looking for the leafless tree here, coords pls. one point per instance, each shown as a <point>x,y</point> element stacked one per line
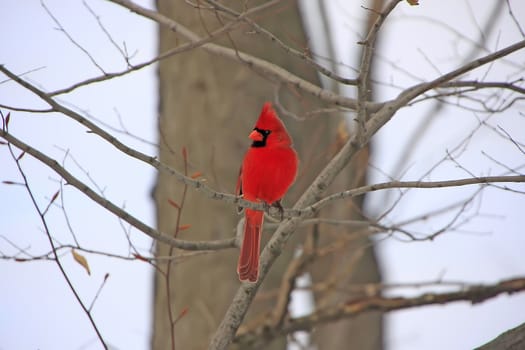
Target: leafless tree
<point>217,62</point>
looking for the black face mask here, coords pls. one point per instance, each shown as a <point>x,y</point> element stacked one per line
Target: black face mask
<point>264,134</point>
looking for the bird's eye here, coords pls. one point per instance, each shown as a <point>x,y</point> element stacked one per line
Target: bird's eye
<point>263,132</point>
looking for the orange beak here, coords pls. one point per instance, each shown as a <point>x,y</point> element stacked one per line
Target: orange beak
<point>255,136</point>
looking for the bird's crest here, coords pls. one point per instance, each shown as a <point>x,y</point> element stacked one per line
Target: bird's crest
<point>268,120</point>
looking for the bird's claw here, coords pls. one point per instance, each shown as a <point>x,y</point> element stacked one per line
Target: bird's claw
<point>277,204</point>
<point>266,207</point>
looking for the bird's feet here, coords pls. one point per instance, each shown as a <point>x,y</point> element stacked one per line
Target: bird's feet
<point>277,204</point>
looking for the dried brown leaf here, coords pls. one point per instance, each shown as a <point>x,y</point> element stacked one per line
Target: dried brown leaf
<point>81,260</point>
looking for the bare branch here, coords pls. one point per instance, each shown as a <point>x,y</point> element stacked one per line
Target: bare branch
<point>419,89</point>
<point>56,259</point>
<point>516,22</point>
<point>328,73</point>
<point>509,137</point>
<point>364,89</point>
<point>352,308</point>
<point>387,111</point>
<point>106,276</point>
<point>106,32</point>
<point>73,41</point>
<point>267,69</point>
<point>415,184</point>
<point>172,52</point>
<point>511,339</point>
<point>153,161</point>
<point>28,110</point>
<point>124,215</point>
<point>487,85</point>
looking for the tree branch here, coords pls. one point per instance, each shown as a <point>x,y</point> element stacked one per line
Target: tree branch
<point>124,215</point>
<point>55,257</point>
<point>364,89</point>
<point>352,308</point>
<point>419,89</point>
<point>197,184</point>
<point>326,72</point>
<point>172,52</point>
<point>412,184</point>
<point>381,117</point>
<point>513,339</point>
<point>486,85</point>
<point>267,69</point>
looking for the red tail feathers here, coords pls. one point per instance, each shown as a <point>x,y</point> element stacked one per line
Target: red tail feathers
<point>248,265</point>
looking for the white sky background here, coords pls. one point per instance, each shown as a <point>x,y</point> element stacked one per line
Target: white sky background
<point>37,310</point>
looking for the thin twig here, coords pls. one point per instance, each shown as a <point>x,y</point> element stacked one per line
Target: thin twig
<point>364,90</point>
<point>516,22</point>
<point>52,244</point>
<point>106,32</point>
<point>73,41</point>
<point>106,276</point>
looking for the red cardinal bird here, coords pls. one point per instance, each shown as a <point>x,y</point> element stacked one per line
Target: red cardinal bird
<point>268,170</point>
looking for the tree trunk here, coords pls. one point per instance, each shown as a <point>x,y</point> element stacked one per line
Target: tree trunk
<point>208,105</point>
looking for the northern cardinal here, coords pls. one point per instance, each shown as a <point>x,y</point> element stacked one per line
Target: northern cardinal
<point>268,170</point>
